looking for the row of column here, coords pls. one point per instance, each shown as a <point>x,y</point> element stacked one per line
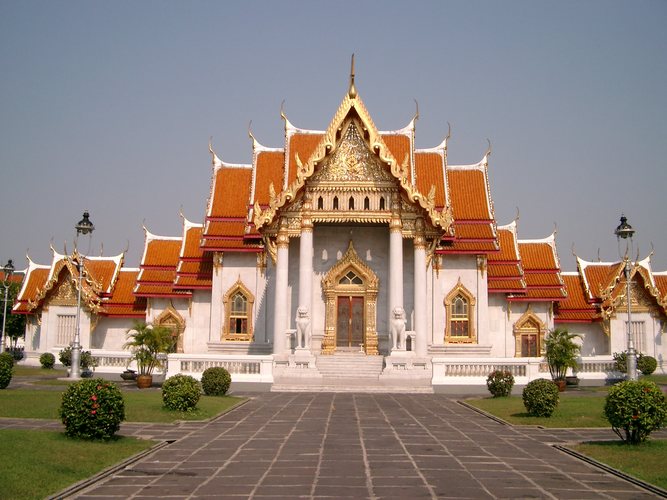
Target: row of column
<point>280,321</point>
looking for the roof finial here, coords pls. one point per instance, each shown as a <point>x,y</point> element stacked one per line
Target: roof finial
<point>352,91</point>
<point>416,111</point>
<point>516,218</point>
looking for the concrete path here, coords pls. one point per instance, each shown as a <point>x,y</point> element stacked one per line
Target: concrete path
<point>358,446</point>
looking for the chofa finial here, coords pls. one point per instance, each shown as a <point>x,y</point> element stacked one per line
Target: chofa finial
<point>352,91</point>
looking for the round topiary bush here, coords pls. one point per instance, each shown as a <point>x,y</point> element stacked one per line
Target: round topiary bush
<point>181,393</point>
<point>47,360</point>
<point>6,368</point>
<point>500,383</point>
<point>540,397</point>
<point>646,364</point>
<point>634,409</point>
<point>92,409</point>
<point>216,381</point>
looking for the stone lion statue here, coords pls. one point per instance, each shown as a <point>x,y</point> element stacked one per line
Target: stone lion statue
<point>302,327</point>
<point>398,328</point>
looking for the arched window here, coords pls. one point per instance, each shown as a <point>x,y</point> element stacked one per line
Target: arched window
<point>367,203</point>
<point>382,203</point>
<point>529,333</point>
<point>459,310</point>
<point>320,203</point>
<point>350,204</point>
<point>335,203</point>
<point>238,313</point>
<point>173,321</point>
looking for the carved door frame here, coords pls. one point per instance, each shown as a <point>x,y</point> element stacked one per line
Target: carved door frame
<point>368,289</point>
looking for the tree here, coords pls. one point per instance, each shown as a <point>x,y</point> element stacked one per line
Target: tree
<point>15,323</point>
<point>561,352</point>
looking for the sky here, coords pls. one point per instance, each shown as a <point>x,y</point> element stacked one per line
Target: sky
<point>109,107</point>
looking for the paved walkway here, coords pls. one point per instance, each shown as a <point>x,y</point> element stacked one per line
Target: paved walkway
<point>357,446</point>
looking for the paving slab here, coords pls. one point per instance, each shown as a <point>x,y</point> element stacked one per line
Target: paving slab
<point>346,445</point>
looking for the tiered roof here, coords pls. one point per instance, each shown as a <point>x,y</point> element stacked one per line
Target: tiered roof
<point>158,267</point>
<point>506,273</point>
<point>541,271</point>
<point>195,267</point>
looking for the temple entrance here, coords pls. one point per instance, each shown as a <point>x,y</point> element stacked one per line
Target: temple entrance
<point>350,322</point>
<point>350,290</point>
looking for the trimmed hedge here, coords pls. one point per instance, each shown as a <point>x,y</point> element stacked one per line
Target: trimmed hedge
<point>500,383</point>
<point>92,409</point>
<point>635,408</point>
<point>216,381</point>
<point>6,369</point>
<point>540,397</point>
<point>181,393</point>
<point>47,360</point>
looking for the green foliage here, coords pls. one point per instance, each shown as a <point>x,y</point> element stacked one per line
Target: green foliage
<point>621,361</point>
<point>561,352</point>
<point>540,397</point>
<point>47,360</point>
<point>635,409</point>
<point>149,345</point>
<point>15,323</point>
<point>216,381</point>
<point>500,383</point>
<point>16,352</point>
<point>85,361</point>
<point>646,364</point>
<point>6,369</point>
<point>92,409</point>
<point>181,393</point>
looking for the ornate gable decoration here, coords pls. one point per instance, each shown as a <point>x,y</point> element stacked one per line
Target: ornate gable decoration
<point>346,166</point>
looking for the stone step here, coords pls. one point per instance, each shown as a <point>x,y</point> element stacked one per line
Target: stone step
<point>350,365</point>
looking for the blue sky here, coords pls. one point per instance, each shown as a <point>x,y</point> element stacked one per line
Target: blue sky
<point>109,106</point>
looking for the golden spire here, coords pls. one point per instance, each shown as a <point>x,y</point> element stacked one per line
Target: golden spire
<point>352,91</point>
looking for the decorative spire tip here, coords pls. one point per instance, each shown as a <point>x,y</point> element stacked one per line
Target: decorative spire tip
<point>352,91</point>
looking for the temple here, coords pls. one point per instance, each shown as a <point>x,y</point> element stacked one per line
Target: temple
<point>347,258</point>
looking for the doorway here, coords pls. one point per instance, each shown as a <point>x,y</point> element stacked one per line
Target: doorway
<point>350,322</point>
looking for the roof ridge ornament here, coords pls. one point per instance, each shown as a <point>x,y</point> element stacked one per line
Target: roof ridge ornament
<point>352,91</point>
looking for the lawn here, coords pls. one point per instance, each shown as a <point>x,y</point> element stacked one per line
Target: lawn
<point>43,463</point>
<point>572,411</point>
<point>645,461</point>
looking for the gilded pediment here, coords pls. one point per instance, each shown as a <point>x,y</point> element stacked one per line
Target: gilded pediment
<point>352,161</point>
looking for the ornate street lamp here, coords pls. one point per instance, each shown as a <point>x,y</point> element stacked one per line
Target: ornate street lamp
<point>84,226</point>
<point>8,271</point>
<point>625,231</point>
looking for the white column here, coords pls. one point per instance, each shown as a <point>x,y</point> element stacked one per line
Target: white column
<point>306,258</point>
<point>280,302</point>
<point>395,257</point>
<point>420,290</point>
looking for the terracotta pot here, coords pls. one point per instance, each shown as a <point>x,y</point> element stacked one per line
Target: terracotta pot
<point>144,381</point>
<point>561,383</point>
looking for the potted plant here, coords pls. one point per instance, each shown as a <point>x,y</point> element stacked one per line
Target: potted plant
<point>561,352</point>
<point>149,345</point>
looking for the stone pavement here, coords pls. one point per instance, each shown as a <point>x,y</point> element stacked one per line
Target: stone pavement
<point>357,446</point>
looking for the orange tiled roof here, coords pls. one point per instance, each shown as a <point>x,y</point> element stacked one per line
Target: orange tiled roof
<point>269,170</point>
<point>430,167</point>
<point>103,270</point>
<point>34,280</point>
<point>661,283</point>
<point>195,267</point>
<point>158,267</point>
<point>599,277</point>
<point>400,146</point>
<point>505,268</point>
<point>230,193</point>
<point>541,271</point>
<point>469,194</point>
<point>304,145</point>
<point>575,308</point>
<point>123,303</point>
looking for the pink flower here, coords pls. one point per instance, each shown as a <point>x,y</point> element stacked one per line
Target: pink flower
<point>93,397</point>
<point>93,412</point>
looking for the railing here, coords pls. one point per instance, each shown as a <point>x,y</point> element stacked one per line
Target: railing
<point>250,368</point>
<point>474,371</point>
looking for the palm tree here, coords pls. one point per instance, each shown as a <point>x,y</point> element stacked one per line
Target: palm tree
<point>561,352</point>
<point>148,344</point>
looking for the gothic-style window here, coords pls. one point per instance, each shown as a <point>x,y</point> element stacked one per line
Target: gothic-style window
<point>459,311</point>
<point>367,203</point>
<point>351,279</point>
<point>320,203</point>
<point>350,204</point>
<point>335,203</point>
<point>238,316</point>
<point>238,313</point>
<point>382,203</point>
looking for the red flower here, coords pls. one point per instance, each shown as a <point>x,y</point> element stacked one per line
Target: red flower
<point>93,397</point>
<point>93,412</point>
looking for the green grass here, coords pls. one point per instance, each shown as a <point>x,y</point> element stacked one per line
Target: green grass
<point>572,411</point>
<point>658,379</point>
<point>140,406</point>
<point>37,372</point>
<point>37,464</point>
<point>645,461</point>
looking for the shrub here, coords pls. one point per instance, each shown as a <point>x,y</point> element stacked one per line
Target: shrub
<point>181,393</point>
<point>621,361</point>
<point>6,368</point>
<point>646,364</point>
<point>500,383</point>
<point>634,409</point>
<point>86,361</point>
<point>216,381</point>
<point>47,360</point>
<point>16,352</point>
<point>540,397</point>
<point>92,409</point>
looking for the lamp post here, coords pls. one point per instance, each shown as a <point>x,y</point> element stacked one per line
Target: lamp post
<point>8,271</point>
<point>84,226</point>
<point>625,231</point>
